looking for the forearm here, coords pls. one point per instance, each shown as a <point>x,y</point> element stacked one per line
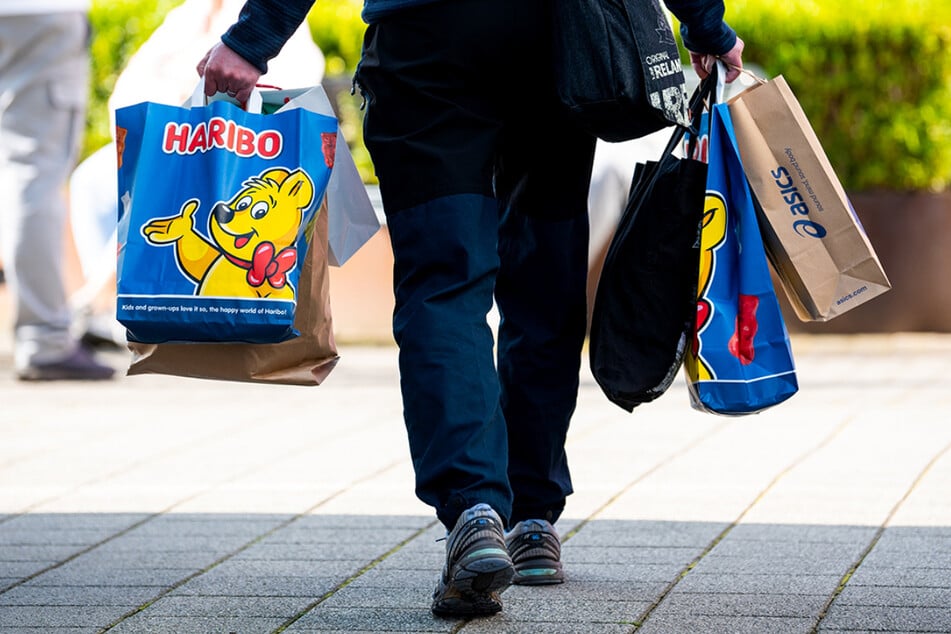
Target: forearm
<point>263,27</point>
<point>702,26</point>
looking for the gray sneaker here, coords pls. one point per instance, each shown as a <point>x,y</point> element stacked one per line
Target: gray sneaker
<point>536,552</point>
<point>477,567</point>
<point>81,365</point>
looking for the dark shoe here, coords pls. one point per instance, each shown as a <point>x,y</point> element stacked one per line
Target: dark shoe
<point>78,366</point>
<point>478,565</point>
<point>536,553</point>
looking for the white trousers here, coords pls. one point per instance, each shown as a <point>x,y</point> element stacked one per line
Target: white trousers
<point>44,68</point>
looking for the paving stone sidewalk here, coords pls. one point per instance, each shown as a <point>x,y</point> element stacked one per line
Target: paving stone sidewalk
<point>160,504</point>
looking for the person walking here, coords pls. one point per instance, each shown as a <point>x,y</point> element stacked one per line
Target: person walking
<point>44,67</point>
<point>484,180</point>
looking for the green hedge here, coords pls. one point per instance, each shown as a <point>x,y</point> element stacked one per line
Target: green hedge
<point>338,30</point>
<point>874,78</point>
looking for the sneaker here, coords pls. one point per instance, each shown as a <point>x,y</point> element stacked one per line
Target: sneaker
<point>81,365</point>
<point>477,567</point>
<point>536,553</point>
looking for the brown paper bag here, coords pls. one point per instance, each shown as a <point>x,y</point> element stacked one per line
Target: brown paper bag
<point>304,360</point>
<point>813,237</point>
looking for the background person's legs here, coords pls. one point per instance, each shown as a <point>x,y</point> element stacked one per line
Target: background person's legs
<point>43,71</point>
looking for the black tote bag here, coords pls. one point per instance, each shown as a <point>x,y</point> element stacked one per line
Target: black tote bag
<point>617,67</point>
<point>646,299</point>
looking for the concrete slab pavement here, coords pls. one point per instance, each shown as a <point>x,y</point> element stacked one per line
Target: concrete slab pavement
<point>160,504</point>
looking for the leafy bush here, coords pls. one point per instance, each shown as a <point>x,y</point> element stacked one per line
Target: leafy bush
<point>874,78</point>
<point>338,30</point>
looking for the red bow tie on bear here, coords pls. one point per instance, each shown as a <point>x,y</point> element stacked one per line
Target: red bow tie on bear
<point>265,265</point>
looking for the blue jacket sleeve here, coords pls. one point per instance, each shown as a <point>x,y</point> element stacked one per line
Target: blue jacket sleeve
<point>702,26</point>
<point>263,27</point>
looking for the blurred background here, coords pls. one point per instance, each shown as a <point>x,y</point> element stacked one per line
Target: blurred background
<point>874,78</point>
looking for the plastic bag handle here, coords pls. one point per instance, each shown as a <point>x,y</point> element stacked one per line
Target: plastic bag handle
<point>721,80</point>
<point>759,80</point>
<point>198,98</point>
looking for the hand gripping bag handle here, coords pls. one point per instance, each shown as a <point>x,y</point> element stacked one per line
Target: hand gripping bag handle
<point>198,99</point>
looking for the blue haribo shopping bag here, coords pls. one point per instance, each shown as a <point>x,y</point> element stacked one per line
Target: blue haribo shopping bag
<point>740,361</point>
<point>216,210</point>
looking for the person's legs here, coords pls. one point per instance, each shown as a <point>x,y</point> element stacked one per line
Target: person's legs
<point>543,179</point>
<point>43,70</point>
<point>542,303</point>
<point>436,80</point>
<point>447,129</point>
<point>542,182</point>
<point>445,265</point>
<point>432,127</point>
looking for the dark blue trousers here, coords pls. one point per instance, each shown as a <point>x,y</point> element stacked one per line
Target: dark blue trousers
<point>484,183</point>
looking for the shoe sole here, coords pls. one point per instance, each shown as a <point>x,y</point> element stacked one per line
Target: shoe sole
<point>57,375</point>
<point>484,575</point>
<point>474,587</point>
<point>478,605</point>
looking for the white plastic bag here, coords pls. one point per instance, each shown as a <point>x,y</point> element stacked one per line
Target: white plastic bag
<point>353,220</point>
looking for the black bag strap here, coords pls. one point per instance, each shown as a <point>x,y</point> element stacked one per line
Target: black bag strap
<point>702,100</point>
